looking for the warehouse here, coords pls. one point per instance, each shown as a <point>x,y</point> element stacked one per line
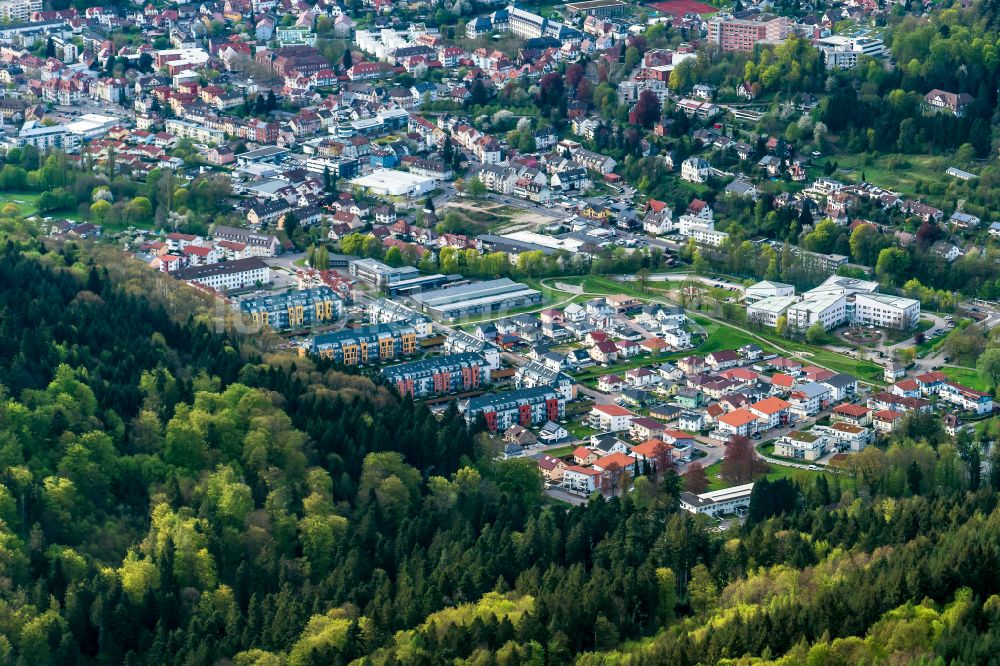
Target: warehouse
<point>387,182</point>
<point>477,298</point>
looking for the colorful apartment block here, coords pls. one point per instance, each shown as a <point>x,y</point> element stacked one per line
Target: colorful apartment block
<point>368,344</point>
<point>439,375</point>
<point>524,407</point>
<point>294,309</point>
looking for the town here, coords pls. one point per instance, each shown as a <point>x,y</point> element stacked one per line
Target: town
<point>612,257</point>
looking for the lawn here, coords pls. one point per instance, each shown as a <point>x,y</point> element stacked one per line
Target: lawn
<point>561,451</point>
<point>580,430</point>
<point>730,336</point>
<point>776,472</point>
<point>26,202</point>
<point>966,377</point>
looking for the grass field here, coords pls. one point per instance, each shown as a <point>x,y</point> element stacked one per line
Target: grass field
<point>730,336</point>
<point>966,377</point>
<point>26,202</point>
<point>561,451</point>
<point>776,472</point>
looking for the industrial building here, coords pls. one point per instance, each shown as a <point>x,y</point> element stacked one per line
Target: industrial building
<point>440,375</point>
<point>367,344</point>
<point>387,182</point>
<point>477,298</point>
<point>294,309</point>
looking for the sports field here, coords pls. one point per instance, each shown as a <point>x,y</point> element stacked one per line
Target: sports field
<point>682,7</point>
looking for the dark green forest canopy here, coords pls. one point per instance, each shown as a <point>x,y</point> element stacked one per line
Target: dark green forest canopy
<point>169,495</point>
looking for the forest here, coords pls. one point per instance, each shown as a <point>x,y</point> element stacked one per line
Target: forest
<point>170,493</point>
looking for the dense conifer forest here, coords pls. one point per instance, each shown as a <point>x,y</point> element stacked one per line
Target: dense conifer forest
<point>170,494</point>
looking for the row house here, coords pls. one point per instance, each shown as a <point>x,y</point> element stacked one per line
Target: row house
<point>966,398</point>
<point>450,373</point>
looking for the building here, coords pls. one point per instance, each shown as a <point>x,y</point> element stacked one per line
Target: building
<point>827,308</point>
<point>595,8</point>
<point>948,101</point>
<point>966,398</point>
<point>228,275</point>
<point>801,446</point>
<point>391,183</point>
<point>538,374</point>
<point>718,502</point>
<point>734,34</point>
<point>809,399</point>
<point>367,344</point>
<point>294,309</point>
<point>523,407</point>
<point>739,422</point>
<point>884,311</point>
<point>451,373</point>
<point>767,289</point>
<point>695,170</point>
<point>379,274</point>
<point>767,311</point>
<point>489,296</point>
<point>772,412</point>
<point>610,418</point>
<point>842,52</point>
<point>258,245</point>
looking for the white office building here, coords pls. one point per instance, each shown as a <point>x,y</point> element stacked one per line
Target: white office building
<point>886,311</point>
<point>767,289</point>
<point>228,275</point>
<point>767,310</point>
<point>842,52</point>
<point>718,502</point>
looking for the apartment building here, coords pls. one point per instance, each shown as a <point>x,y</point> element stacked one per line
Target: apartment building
<point>439,375</point>
<point>802,446</point>
<point>524,407</point>
<point>842,52</point>
<point>228,275</point>
<point>538,374</point>
<point>610,418</point>
<point>257,245</point>
<point>294,309</point>
<point>966,398</point>
<point>384,311</point>
<point>367,344</point>
<point>734,34</point>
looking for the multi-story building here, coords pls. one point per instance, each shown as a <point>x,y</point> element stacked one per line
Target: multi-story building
<point>257,245</point>
<point>460,341</point>
<point>802,446</point>
<point>884,311</point>
<point>450,373</point>
<point>367,344</point>
<point>809,399</point>
<point>966,398</point>
<point>610,418</point>
<point>522,407</point>
<point>733,34</point>
<point>18,11</point>
<point>842,52</point>
<point>538,374</point>
<point>384,311</point>
<point>294,309</point>
<point>228,275</point>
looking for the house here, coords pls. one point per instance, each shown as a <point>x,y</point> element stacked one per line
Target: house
<point>808,399</point>
<point>551,433</point>
<point>741,422</point>
<point>584,456</point>
<point>966,398</point>
<point>610,418</point>
<point>643,428</point>
<point>640,377</point>
<point>604,352</point>
<point>948,101</point>
<point>695,170</point>
<point>772,412</point>
<point>853,414</point>
<point>801,446</point>
<point>846,436</point>
<point>720,360</point>
<point>886,420</point>
<point>931,382</point>
<point>907,388</point>
<point>610,383</point>
<point>517,434</point>
<point>582,479</point>
<point>654,451</point>
<point>842,386</point>
<point>551,468</point>
<point>693,421</point>
<point>691,365</point>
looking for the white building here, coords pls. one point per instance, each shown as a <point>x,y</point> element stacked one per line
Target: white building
<point>767,311</point>
<point>767,289</point>
<point>802,446</point>
<point>388,182</point>
<point>610,418</point>
<point>718,502</point>
<point>228,275</point>
<point>829,309</point>
<point>842,52</point>
<point>886,311</point>
<point>694,170</point>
